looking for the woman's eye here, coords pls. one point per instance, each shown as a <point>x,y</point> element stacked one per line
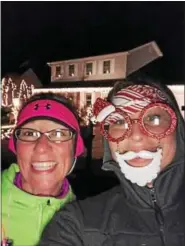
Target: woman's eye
<point>59,134</point>
<point>155,119</point>
<point>56,133</point>
<point>119,122</point>
<point>28,133</point>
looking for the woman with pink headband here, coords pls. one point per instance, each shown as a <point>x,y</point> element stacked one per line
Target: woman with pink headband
<point>47,142</point>
<point>143,132</point>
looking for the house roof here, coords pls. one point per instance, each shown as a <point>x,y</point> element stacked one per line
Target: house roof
<point>29,76</point>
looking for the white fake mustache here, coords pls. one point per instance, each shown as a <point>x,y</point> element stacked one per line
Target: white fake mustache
<point>144,154</point>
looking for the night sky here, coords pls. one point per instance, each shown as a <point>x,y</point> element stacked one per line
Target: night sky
<point>49,31</point>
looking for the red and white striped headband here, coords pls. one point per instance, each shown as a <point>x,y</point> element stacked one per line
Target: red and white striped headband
<point>135,97</point>
<point>131,100</point>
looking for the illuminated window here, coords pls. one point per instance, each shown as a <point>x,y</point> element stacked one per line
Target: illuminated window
<point>88,99</point>
<point>106,66</point>
<point>89,68</point>
<point>72,70</point>
<point>58,71</point>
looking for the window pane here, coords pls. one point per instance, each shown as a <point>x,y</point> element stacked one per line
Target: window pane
<point>71,70</point>
<point>89,68</point>
<point>58,71</point>
<point>106,67</point>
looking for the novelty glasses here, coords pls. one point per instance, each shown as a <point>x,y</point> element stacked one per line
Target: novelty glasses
<point>157,120</point>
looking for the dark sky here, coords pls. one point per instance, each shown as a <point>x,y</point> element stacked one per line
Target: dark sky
<point>48,31</point>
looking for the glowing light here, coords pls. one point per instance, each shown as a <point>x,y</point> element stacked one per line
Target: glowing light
<point>76,89</point>
<point>16,102</point>
<point>174,88</point>
<point>7,126</point>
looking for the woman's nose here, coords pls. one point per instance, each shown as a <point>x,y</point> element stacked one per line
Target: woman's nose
<point>136,132</point>
<point>42,144</point>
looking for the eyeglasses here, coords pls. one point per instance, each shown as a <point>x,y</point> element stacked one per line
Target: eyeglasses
<point>156,120</point>
<point>32,135</point>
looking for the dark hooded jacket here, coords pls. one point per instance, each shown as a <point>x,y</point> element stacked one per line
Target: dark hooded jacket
<point>128,215</point>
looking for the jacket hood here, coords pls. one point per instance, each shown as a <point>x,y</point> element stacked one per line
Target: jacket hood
<point>169,181</point>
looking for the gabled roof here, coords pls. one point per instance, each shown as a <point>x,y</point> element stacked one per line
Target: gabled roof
<point>29,76</point>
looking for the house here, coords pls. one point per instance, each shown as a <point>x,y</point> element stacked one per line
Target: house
<point>84,79</point>
<point>104,67</point>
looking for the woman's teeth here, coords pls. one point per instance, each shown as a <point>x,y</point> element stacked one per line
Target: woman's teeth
<point>43,166</point>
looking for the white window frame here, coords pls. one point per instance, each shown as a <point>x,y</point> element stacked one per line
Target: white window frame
<point>56,70</point>
<point>107,60</point>
<point>89,62</point>
<point>74,74</point>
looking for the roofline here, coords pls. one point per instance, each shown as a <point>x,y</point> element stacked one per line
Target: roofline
<point>153,43</point>
<point>87,58</point>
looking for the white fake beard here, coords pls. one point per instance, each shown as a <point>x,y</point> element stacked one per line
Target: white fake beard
<point>140,175</point>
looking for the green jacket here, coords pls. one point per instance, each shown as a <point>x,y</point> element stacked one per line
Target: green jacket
<point>24,216</point>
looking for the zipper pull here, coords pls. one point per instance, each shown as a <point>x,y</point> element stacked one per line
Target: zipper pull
<point>152,192</point>
<point>158,212</point>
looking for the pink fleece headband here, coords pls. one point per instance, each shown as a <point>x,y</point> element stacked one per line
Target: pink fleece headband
<point>49,109</point>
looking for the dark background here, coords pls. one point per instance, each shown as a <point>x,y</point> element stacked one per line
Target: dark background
<point>47,31</point>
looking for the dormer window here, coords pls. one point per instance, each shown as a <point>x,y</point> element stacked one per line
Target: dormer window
<point>58,71</point>
<point>106,67</point>
<point>89,68</point>
<point>71,70</point>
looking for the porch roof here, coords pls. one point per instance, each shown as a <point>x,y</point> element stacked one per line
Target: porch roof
<point>96,83</point>
<point>82,84</point>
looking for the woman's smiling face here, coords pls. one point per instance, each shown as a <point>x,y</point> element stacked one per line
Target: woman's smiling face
<point>44,164</point>
<point>138,141</point>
